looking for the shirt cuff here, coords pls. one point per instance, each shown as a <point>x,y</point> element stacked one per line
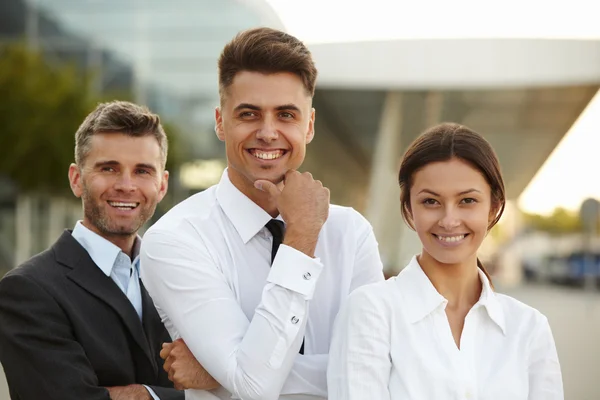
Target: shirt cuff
<point>295,271</point>
<point>154,396</point>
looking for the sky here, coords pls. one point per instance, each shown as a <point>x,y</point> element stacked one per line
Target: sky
<point>572,172</point>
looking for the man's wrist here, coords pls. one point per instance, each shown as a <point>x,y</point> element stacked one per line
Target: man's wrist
<point>151,394</point>
<point>303,241</point>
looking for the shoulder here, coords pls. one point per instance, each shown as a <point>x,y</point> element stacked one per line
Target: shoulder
<point>39,267</point>
<point>32,279</point>
<point>342,214</point>
<point>189,215</point>
<point>347,220</point>
<point>520,315</point>
<point>379,294</point>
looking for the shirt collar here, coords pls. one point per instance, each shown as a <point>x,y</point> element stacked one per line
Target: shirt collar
<point>102,252</point>
<point>489,300</point>
<point>245,215</point>
<point>414,284</point>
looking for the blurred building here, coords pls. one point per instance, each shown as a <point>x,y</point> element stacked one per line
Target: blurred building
<point>162,54</point>
<point>373,98</point>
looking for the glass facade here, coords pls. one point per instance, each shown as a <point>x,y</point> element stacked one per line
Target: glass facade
<point>162,54</point>
<point>154,52</point>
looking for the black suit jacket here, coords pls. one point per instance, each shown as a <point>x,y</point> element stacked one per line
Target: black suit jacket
<point>67,330</point>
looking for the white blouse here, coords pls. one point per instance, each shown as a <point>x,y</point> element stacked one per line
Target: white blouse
<point>392,340</point>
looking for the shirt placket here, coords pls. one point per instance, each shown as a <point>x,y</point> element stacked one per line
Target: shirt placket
<point>462,368</point>
<point>467,357</point>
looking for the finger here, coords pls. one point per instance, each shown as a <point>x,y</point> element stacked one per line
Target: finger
<point>166,350</point>
<point>268,187</point>
<point>168,363</point>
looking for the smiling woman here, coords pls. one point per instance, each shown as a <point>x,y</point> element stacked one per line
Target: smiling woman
<point>438,330</point>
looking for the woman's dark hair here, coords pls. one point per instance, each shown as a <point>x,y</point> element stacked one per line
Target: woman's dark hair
<point>442,143</point>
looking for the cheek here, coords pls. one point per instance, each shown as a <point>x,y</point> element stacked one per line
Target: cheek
<point>477,221</point>
<point>96,186</point>
<point>422,219</point>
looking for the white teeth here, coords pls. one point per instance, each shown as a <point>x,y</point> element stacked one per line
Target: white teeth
<point>122,206</point>
<point>451,238</point>
<point>264,155</point>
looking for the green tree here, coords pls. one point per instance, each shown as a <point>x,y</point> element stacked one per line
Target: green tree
<point>40,109</point>
<point>561,221</point>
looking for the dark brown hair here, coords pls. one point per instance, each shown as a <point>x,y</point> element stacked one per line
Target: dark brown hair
<point>267,51</point>
<point>442,143</point>
<point>119,117</point>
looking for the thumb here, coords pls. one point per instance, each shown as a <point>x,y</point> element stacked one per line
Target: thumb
<point>267,186</point>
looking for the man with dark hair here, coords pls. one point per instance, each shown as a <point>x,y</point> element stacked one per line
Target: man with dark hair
<point>75,321</point>
<point>234,270</point>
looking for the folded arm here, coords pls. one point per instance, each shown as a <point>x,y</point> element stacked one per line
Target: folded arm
<point>251,359</point>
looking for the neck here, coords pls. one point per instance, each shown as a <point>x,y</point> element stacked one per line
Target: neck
<point>263,199</point>
<point>124,242</point>
<point>458,283</point>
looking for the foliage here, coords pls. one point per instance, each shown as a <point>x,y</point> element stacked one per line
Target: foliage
<point>41,107</point>
<point>40,110</point>
<point>561,221</point>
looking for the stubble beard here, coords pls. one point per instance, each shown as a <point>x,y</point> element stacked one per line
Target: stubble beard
<point>98,217</point>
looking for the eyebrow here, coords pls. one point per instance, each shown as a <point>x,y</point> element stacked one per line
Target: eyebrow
<point>106,163</point>
<point>248,106</point>
<point>460,194</point>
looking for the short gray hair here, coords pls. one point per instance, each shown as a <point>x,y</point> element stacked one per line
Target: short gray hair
<point>119,117</point>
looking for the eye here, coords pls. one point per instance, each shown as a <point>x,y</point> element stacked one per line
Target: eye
<point>429,202</point>
<point>247,114</point>
<point>142,171</point>
<point>469,200</point>
<point>107,169</point>
<point>286,115</point>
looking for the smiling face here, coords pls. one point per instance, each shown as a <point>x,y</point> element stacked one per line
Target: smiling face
<point>265,120</point>
<point>120,183</point>
<point>450,209</point>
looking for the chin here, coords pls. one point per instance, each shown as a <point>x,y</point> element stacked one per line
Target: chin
<point>449,257</point>
<point>273,177</point>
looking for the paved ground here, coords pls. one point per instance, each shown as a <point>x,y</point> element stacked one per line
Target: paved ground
<point>575,319</point>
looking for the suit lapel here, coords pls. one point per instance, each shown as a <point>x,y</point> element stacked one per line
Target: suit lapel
<point>88,276</point>
<point>153,326</point>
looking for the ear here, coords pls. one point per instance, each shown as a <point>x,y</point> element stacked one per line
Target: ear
<point>219,124</point>
<point>164,186</point>
<point>494,209</point>
<point>311,126</point>
<point>75,180</point>
<point>408,216</point>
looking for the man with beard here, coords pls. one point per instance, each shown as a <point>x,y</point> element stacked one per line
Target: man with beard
<point>75,320</point>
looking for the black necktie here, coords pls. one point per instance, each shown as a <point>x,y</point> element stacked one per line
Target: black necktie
<point>277,229</point>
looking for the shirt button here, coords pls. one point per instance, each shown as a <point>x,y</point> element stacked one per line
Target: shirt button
<point>307,276</point>
<point>294,320</point>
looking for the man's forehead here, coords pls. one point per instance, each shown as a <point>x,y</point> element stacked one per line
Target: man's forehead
<point>118,146</point>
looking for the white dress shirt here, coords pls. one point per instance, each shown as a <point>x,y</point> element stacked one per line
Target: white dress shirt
<point>105,255</point>
<point>206,264</point>
<point>392,341</point>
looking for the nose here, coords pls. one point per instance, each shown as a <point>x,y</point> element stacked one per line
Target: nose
<point>450,219</point>
<point>125,182</point>
<point>267,131</point>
